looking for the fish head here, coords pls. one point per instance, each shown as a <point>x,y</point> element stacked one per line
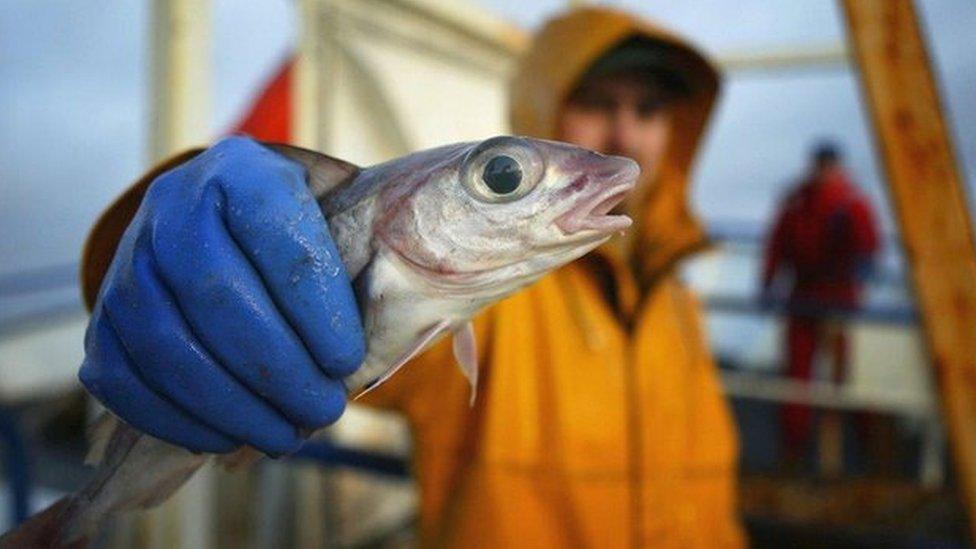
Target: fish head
<point>495,215</point>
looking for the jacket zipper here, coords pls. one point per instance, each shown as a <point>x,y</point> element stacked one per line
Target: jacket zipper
<point>635,449</point>
<point>631,397</point>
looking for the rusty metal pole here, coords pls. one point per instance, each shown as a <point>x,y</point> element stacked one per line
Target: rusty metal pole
<point>926,189</point>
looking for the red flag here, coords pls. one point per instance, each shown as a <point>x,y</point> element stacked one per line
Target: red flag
<point>269,118</point>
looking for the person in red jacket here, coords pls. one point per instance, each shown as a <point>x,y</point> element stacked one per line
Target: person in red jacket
<point>818,255</point>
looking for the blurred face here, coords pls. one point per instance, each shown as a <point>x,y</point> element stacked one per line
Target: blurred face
<point>824,169</point>
<point>623,114</point>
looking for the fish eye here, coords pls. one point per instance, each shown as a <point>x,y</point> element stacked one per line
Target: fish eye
<point>502,169</point>
<point>502,174</point>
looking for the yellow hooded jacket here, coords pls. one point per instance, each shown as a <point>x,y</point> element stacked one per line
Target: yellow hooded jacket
<point>599,421</point>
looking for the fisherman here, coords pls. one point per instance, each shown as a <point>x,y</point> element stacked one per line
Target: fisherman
<point>599,419</point>
<point>818,255</point>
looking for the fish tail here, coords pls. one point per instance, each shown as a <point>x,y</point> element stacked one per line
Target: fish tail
<point>135,471</point>
<point>47,529</point>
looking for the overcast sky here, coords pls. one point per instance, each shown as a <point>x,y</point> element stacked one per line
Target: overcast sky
<point>74,85</point>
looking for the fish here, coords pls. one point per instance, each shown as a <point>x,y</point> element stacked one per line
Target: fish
<point>429,240</point>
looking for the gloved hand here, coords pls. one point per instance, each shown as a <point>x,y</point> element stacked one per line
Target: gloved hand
<point>226,317</point>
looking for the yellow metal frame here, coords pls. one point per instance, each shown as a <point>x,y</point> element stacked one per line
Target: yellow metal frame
<point>927,193</point>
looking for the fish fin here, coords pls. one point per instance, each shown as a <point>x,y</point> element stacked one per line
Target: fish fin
<point>324,172</point>
<point>466,354</point>
<point>422,341</point>
<point>137,472</point>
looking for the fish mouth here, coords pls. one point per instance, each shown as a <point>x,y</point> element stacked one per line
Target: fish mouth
<point>593,213</point>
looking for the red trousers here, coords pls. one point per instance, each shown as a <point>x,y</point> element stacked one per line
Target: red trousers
<point>805,336</point>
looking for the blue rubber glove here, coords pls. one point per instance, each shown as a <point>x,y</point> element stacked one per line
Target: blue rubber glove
<point>226,317</point>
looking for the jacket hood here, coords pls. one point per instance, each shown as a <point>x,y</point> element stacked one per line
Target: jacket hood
<point>560,55</point>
